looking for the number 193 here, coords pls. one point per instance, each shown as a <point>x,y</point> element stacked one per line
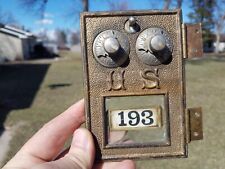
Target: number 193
<point>134,118</point>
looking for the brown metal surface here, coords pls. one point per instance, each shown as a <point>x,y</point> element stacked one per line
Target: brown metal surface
<point>195,124</point>
<point>194,45</point>
<point>134,78</point>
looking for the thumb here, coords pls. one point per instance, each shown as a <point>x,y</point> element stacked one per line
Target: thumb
<point>80,156</point>
<point>82,151</point>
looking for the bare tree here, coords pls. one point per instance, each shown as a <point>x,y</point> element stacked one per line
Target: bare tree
<point>7,18</point>
<point>166,4</point>
<point>172,3</point>
<point>179,3</point>
<point>75,38</point>
<point>203,12</point>
<point>118,5</point>
<point>61,37</point>
<point>37,6</point>
<point>85,5</point>
<point>219,21</point>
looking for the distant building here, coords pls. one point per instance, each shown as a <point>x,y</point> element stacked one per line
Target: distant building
<point>211,45</point>
<point>15,44</point>
<point>221,46</point>
<point>51,47</point>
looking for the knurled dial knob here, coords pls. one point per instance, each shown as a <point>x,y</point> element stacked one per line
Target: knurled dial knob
<point>111,48</point>
<point>157,43</point>
<point>154,46</point>
<point>111,45</point>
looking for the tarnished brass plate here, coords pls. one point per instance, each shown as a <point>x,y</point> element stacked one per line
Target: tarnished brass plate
<point>135,78</point>
<point>135,119</point>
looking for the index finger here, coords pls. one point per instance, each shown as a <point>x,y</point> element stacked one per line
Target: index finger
<point>50,139</point>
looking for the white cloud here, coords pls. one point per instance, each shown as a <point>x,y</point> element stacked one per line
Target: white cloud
<point>48,15</point>
<point>45,21</point>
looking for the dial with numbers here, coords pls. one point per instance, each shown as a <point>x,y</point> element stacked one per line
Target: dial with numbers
<point>133,119</point>
<point>154,46</point>
<point>111,48</point>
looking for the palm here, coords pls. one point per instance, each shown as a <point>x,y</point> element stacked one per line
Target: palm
<point>42,151</point>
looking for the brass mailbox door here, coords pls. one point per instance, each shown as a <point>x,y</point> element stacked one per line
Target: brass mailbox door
<point>134,86</point>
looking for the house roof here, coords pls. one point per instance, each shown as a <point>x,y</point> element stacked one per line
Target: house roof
<point>18,33</point>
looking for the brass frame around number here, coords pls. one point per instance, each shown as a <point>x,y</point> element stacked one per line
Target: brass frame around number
<point>156,110</point>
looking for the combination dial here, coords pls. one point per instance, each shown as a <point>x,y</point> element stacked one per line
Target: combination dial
<point>111,48</point>
<point>154,46</point>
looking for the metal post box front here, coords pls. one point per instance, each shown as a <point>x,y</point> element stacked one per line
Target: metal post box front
<point>134,80</point>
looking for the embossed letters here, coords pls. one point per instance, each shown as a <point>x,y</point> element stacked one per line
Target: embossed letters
<point>151,78</point>
<point>116,84</point>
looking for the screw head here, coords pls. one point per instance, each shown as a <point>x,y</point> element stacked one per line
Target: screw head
<point>196,134</point>
<point>111,45</point>
<point>158,43</point>
<point>197,114</point>
<point>132,21</point>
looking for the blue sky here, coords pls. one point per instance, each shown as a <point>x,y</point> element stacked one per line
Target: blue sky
<point>60,13</point>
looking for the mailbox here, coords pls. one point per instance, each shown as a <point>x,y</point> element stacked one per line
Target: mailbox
<point>134,81</point>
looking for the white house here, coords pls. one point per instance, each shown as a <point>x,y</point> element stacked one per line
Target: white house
<point>15,44</point>
<point>221,46</point>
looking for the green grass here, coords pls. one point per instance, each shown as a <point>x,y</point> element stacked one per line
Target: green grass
<point>62,86</point>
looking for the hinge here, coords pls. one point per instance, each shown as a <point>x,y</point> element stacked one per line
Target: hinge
<point>194,124</point>
<point>192,40</point>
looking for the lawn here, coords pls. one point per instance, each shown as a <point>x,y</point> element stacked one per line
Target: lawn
<point>32,94</point>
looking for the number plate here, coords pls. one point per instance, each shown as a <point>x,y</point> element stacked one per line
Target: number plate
<point>135,119</point>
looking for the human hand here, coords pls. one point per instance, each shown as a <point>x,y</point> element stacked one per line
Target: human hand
<point>42,151</point>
